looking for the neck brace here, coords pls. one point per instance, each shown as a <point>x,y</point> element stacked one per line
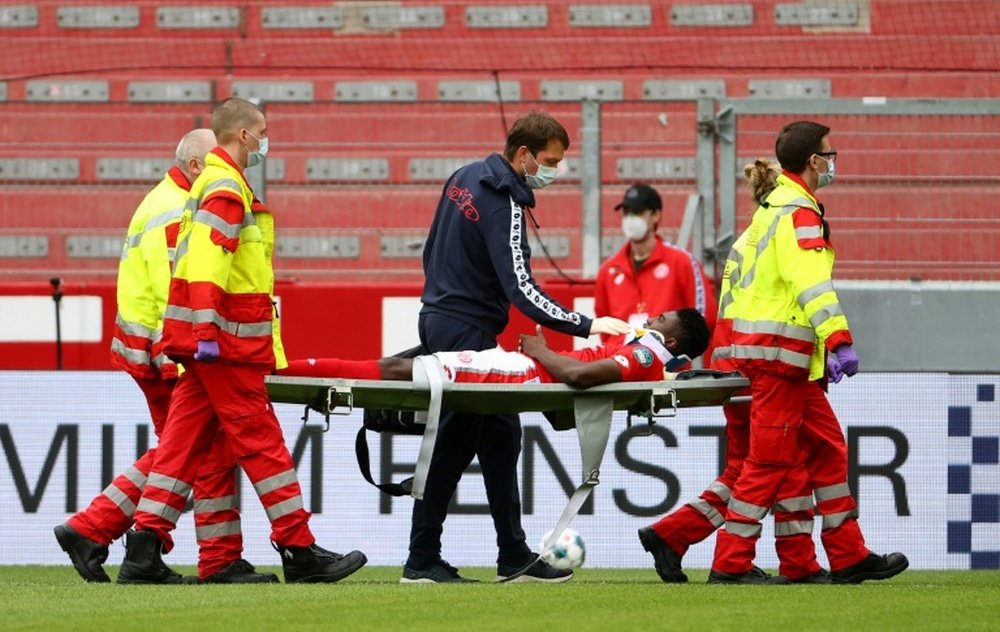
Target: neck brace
<point>653,340</point>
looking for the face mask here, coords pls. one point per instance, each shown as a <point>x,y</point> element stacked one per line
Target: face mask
<point>826,178</point>
<point>254,157</point>
<point>634,227</point>
<point>541,178</point>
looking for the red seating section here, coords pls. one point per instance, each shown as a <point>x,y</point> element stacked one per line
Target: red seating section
<point>915,196</point>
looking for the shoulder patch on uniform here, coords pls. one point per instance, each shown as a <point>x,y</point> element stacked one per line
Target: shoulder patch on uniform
<point>643,356</point>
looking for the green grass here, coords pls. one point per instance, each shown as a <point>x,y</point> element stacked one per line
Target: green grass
<point>54,598</point>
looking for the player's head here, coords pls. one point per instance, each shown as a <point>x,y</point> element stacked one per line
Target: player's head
<point>803,148</point>
<point>685,331</point>
<point>241,129</point>
<point>535,146</point>
<point>191,151</point>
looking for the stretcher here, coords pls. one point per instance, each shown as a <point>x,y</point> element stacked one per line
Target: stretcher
<point>588,410</point>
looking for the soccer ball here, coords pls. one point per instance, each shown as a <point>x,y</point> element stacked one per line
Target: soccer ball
<point>567,552</point>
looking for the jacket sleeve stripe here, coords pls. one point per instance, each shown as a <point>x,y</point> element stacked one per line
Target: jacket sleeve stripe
<point>824,314</point>
<point>217,224</point>
<point>806,296</point>
<point>526,284</point>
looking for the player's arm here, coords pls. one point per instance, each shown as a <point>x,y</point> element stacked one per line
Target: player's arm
<point>568,370</point>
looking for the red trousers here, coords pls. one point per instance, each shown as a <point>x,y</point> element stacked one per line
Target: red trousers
<point>789,417</point>
<point>229,398</point>
<point>793,515</point>
<point>110,513</point>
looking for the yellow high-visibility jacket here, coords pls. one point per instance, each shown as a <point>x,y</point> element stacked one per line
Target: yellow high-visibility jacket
<point>785,312</point>
<point>144,279</point>
<point>223,281</point>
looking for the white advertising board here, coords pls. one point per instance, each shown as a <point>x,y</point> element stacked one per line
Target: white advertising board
<point>926,480</point>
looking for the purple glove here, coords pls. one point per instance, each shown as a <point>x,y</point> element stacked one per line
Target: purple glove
<point>833,370</point>
<point>843,361</point>
<point>849,362</point>
<point>208,351</point>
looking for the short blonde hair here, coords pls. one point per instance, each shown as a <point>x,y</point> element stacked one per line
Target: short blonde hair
<point>232,115</point>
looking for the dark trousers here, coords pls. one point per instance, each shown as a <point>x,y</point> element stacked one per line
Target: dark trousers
<point>495,439</point>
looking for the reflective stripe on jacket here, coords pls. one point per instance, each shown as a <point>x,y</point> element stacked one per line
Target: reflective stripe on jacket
<point>729,286</point>
<point>786,311</point>
<point>144,278</point>
<point>223,281</point>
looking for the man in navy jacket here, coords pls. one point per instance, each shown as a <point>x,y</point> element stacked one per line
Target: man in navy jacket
<point>476,263</point>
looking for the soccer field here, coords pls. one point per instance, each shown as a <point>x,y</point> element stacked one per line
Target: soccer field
<point>48,597</point>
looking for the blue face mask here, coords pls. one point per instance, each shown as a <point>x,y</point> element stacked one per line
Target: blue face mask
<point>542,178</point>
<point>255,157</point>
<point>826,178</point>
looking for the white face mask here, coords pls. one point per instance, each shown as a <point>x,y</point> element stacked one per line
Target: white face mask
<point>542,178</point>
<point>254,157</point>
<point>826,178</point>
<point>634,227</point>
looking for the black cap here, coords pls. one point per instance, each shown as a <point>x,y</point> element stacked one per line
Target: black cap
<point>640,197</point>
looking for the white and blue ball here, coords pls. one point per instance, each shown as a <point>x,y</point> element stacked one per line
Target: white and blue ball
<point>567,552</point>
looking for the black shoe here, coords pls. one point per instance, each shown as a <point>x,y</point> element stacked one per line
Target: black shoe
<point>668,561</point>
<point>822,576</point>
<point>872,567</point>
<point>755,575</point>
<point>86,555</point>
<point>240,572</point>
<point>313,564</point>
<point>539,572</point>
<point>143,563</point>
<point>440,572</point>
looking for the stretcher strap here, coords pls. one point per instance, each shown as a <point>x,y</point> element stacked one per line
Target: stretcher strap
<point>593,427</point>
<point>431,370</point>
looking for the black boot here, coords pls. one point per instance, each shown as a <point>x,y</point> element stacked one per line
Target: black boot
<point>314,564</point>
<point>755,575</point>
<point>667,561</point>
<point>822,576</point>
<point>86,555</point>
<point>143,564</point>
<point>240,572</point>
<point>872,567</point>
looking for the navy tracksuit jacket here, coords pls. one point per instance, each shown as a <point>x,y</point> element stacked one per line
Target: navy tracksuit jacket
<point>476,263</point>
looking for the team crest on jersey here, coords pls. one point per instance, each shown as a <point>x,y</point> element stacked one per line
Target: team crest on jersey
<point>643,356</point>
<point>465,357</point>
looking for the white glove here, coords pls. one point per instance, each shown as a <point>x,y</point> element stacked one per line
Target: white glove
<point>608,325</point>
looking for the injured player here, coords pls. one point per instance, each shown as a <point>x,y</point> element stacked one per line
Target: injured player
<point>642,355</point>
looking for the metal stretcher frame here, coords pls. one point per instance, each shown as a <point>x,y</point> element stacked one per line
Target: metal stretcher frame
<point>330,395</point>
<point>589,410</point>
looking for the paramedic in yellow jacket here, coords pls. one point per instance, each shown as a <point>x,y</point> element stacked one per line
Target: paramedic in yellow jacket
<point>143,280</point>
<point>789,333</point>
<point>221,324</point>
